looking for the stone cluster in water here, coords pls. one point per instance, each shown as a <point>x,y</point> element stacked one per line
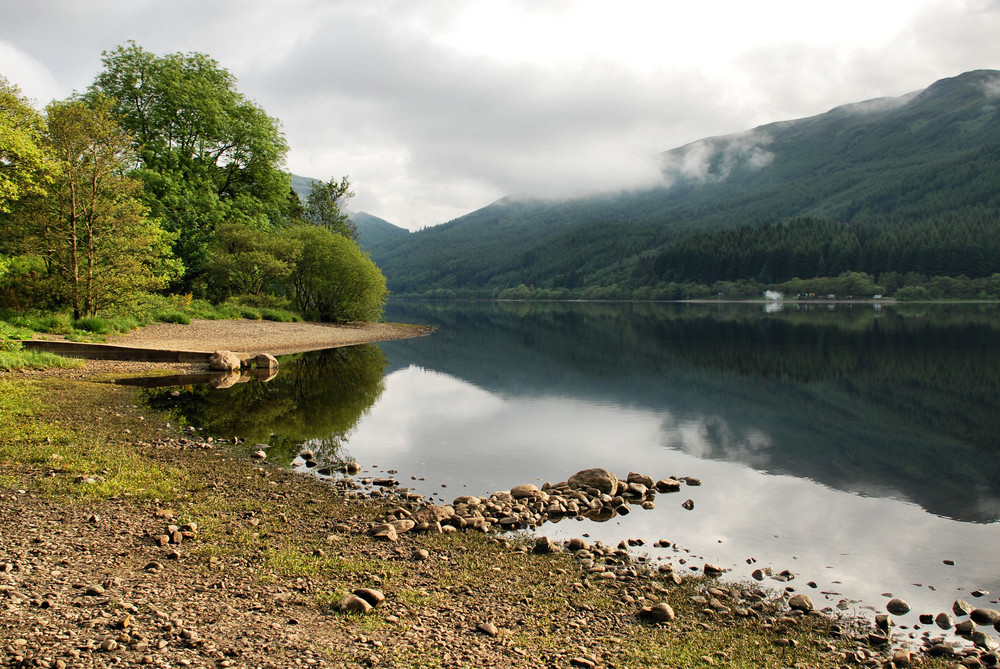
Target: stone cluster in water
<point>596,494</point>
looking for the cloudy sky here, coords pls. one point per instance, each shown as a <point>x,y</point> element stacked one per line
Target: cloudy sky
<point>436,108</point>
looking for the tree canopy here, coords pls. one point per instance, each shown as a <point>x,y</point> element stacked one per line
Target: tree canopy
<point>24,166</point>
<point>90,227</point>
<point>207,155</point>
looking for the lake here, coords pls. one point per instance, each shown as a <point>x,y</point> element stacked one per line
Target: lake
<point>857,446</point>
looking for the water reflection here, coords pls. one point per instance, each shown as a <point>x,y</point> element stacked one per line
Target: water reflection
<point>859,447</point>
<point>316,400</point>
<point>903,403</point>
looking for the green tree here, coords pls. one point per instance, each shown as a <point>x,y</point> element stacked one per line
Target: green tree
<point>333,278</point>
<point>245,260</point>
<point>325,206</point>
<point>25,169</point>
<point>207,155</point>
<point>91,227</point>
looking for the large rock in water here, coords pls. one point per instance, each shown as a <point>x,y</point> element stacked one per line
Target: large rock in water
<point>600,479</point>
<point>225,361</point>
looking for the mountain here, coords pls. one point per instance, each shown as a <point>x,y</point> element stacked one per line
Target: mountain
<point>374,231</point>
<point>889,171</point>
<point>302,185</point>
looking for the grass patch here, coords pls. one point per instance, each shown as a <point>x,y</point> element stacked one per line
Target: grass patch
<point>21,359</point>
<point>88,462</point>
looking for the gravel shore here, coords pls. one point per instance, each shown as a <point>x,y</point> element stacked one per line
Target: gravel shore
<point>246,336</point>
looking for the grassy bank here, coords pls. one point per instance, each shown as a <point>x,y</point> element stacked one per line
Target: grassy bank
<point>90,480</point>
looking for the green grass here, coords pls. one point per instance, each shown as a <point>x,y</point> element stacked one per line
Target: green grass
<point>89,464</point>
<point>10,360</point>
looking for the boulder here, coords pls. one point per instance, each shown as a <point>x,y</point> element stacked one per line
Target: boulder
<point>668,485</point>
<point>642,479</point>
<point>662,612</point>
<point>897,607</point>
<point>225,361</point>
<point>353,604</point>
<point>544,545</point>
<point>432,513</point>
<point>600,479</point>
<point>373,597</point>
<point>525,490</point>
<point>800,602</point>
<point>266,361</point>
<point>983,616</point>
<point>944,621</point>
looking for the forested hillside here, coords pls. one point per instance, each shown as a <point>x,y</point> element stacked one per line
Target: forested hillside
<point>898,189</point>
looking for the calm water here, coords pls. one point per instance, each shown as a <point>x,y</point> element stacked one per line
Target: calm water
<point>858,447</point>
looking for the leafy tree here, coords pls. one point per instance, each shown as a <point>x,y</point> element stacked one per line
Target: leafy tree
<point>91,227</point>
<point>324,206</point>
<point>333,278</point>
<point>24,167</point>
<point>207,155</point>
<point>246,260</point>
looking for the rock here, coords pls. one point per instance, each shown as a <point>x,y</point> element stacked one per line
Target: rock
<point>641,479</point>
<point>662,612</point>
<point>944,621</point>
<point>984,641</point>
<point>582,662</point>
<point>941,650</point>
<point>961,607</point>
<point>902,658</point>
<point>266,361</point>
<point>525,490</point>
<point>713,570</point>
<point>544,545</point>
<point>384,532</point>
<point>487,628</point>
<point>668,485</point>
<point>259,455</point>
<point>403,525</point>
<point>800,602</point>
<point>965,627</point>
<point>883,621</point>
<point>897,607</point>
<point>353,604</point>
<point>692,481</point>
<point>94,591</point>
<point>225,361</point>
<point>420,555</point>
<point>985,616</point>
<point>352,468</point>
<point>688,504</point>
<point>597,478</point>
<point>432,513</point>
<point>577,544</point>
<point>373,597</point>
<point>638,490</point>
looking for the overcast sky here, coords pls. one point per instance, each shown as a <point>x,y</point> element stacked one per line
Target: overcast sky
<point>436,108</point>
